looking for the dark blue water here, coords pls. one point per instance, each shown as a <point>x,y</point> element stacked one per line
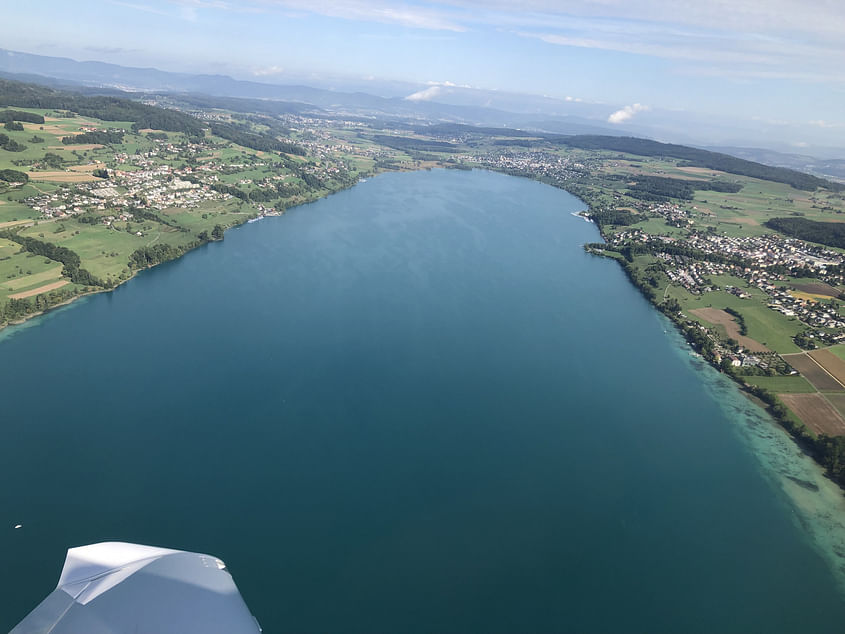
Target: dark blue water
<point>416,405</point>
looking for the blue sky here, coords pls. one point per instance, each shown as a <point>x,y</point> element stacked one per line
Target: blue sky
<point>777,63</point>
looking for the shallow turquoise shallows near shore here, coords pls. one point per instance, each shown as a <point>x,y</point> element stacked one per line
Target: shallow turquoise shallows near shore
<point>414,406</point>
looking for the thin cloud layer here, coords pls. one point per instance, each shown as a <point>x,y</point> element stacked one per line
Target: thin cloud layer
<point>743,38</point>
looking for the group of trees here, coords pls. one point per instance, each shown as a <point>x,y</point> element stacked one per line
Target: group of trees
<point>661,189</point>
<point>617,217</point>
<point>51,159</point>
<point>15,309</point>
<point>148,214</point>
<point>13,176</point>
<point>408,143</point>
<point>19,115</point>
<point>740,320</point>
<point>101,137</point>
<point>830,233</point>
<point>152,255</point>
<point>242,135</point>
<point>10,145</point>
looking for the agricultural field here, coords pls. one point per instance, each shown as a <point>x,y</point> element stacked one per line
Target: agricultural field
<point>832,364</point>
<point>816,412</point>
<point>22,273</point>
<point>810,369</point>
<point>105,251</point>
<point>838,401</point>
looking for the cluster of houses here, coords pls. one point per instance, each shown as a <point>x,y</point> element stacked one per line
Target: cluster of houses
<point>759,256</point>
<point>814,314</point>
<point>555,167</point>
<point>673,214</point>
<point>768,250</point>
<point>693,275</point>
<point>159,187</point>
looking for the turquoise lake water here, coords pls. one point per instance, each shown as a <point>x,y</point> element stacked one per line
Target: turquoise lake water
<point>416,405</point>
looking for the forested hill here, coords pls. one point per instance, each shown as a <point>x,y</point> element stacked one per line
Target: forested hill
<point>701,158</point>
<point>21,95</point>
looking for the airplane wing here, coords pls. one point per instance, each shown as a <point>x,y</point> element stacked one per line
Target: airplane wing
<point>116,587</point>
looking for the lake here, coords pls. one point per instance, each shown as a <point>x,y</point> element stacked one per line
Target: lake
<point>416,405</point>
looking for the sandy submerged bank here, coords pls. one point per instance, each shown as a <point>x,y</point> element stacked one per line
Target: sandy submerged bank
<point>817,504</point>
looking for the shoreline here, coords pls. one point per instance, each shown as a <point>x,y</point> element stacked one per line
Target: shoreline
<point>760,397</point>
<point>816,501</point>
<point>247,220</point>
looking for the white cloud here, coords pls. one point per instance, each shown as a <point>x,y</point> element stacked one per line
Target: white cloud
<point>427,94</point>
<point>624,114</point>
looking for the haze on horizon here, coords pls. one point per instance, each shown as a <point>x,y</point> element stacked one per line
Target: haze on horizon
<point>771,70</point>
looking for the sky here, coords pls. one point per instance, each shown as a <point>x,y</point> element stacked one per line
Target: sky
<point>779,64</point>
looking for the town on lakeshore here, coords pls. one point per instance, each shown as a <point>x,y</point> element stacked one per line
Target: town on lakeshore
<point>745,259</point>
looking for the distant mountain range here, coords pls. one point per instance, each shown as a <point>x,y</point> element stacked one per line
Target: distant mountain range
<point>437,103</point>
<point>34,68</point>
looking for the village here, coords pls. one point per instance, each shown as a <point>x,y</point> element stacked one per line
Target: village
<point>556,168</point>
<point>185,175</point>
<point>766,263</point>
<point>159,187</point>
